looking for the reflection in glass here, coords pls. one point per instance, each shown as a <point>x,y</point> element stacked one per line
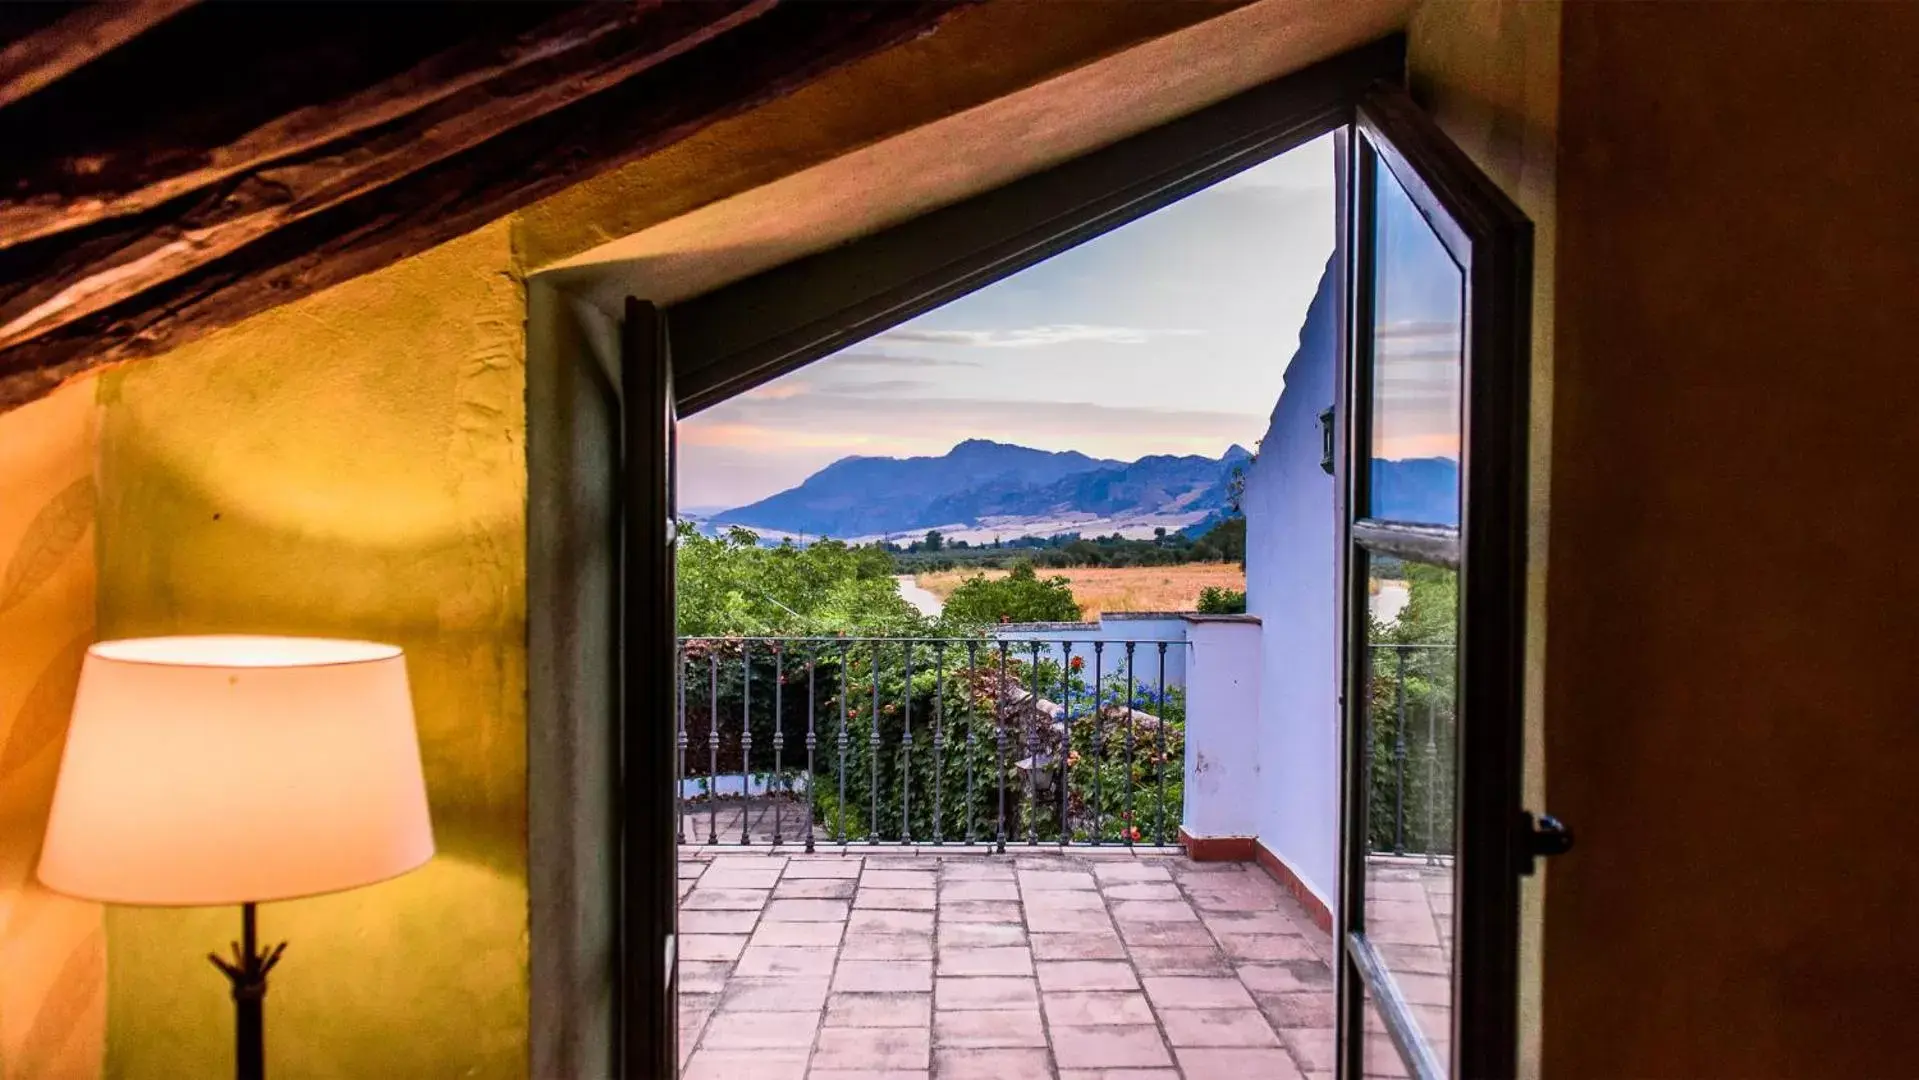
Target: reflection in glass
<point>1411,797</point>
<point>1418,344</point>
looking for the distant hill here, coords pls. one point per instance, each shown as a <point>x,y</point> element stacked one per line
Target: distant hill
<point>1423,490</point>
<point>983,488</point>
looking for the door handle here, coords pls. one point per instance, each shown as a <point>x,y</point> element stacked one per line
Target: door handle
<point>1541,839</point>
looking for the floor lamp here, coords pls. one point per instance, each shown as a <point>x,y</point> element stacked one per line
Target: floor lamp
<point>237,770</point>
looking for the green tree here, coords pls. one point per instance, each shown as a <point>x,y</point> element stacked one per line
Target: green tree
<point>1021,596</point>
<point>732,585</point>
<point>934,541</point>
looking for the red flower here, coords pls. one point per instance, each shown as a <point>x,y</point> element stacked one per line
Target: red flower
<point>1078,662</point>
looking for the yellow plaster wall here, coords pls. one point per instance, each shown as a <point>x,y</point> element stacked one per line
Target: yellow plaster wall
<point>1489,72</point>
<point>353,465</point>
<point>53,990</point>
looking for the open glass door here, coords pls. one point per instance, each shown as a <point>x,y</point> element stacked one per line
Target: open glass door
<point>1435,401</point>
<point>648,902</point>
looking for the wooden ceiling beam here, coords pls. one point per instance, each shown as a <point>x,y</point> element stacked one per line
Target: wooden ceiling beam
<point>375,144</point>
<point>45,56</point>
<point>364,221</point>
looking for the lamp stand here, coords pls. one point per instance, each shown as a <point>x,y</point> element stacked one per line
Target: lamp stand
<point>247,971</point>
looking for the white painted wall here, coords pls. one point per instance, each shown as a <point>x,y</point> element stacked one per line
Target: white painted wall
<point>1223,781</point>
<point>1146,629</point>
<point>1291,551</point>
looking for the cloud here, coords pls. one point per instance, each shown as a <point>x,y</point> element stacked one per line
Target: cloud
<point>1026,337</point>
<point>876,359</point>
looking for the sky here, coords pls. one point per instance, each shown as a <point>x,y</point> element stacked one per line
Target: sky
<point>1169,335</point>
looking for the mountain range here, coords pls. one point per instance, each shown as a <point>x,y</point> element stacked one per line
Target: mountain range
<point>981,489</point>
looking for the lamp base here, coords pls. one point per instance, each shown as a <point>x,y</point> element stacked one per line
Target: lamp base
<point>247,971</point>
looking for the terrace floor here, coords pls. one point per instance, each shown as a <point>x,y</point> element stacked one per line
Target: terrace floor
<point>898,963</point>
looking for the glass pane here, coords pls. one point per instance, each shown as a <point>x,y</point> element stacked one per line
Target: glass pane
<point>1419,299</point>
<point>1378,1056</point>
<point>1411,739</point>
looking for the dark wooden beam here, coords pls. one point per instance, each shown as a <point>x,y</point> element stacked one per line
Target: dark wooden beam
<point>737,337</point>
<point>310,161</point>
<point>349,222</point>
<point>40,58</point>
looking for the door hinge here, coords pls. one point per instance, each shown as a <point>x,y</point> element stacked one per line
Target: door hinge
<point>1541,839</point>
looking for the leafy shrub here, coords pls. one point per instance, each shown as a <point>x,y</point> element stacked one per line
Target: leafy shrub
<point>1021,596</point>
<point>1413,728</point>
<point>1215,600</point>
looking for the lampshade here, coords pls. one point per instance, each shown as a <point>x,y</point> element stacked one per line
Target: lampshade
<point>227,770</point>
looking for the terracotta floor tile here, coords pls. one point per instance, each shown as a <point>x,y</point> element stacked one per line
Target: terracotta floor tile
<point>1216,1027</point>
<point>751,1030</point>
<point>1089,975</point>
<point>992,911</point>
<point>887,947</point>
<point>806,993</point>
<point>1315,1048</point>
<point>815,889</point>
<point>899,879</point>
<point>1132,871</point>
<point>883,976</point>
<point>1142,890</point>
<point>956,1063</point>
<point>1265,948</point>
<point>1298,975</point>
<point>1055,921</point>
<point>1055,879</point>
<point>890,922</point>
<point>1095,946</point>
<point>756,877</point>
<point>965,889</point>
<point>988,1027</point>
<point>1123,1074</point>
<point>761,1064</point>
<point>702,899</point>
<point>1109,1047</point>
<point>1154,911</point>
<point>880,1010</point>
<point>1165,933</point>
<point>1088,1008</point>
<point>1301,1009</point>
<point>872,1048</point>
<point>1250,922</point>
<point>805,910</point>
<point>1232,1063</point>
<point>765,960</point>
<point>1196,992</point>
<point>712,946</point>
<point>1179,960</point>
<point>894,899</point>
<point>799,933</point>
<point>985,993</point>
<point>989,960</point>
<point>981,935</point>
<point>718,922</point>
<point>822,866</point>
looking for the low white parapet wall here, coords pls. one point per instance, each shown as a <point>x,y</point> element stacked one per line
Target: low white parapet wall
<point>1222,726</point>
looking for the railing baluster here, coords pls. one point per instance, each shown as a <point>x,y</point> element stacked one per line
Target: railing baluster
<point>746,739</point>
<point>873,758</point>
<point>939,722</point>
<point>680,749</point>
<point>839,810</point>
<point>1432,758</point>
<point>779,737</point>
<point>1399,754</point>
<point>812,661</point>
<point>1126,823</point>
<point>1159,818</point>
<point>1065,736</point>
<point>906,746</point>
<point>1099,740</point>
<point>713,748</point>
<point>971,685</point>
<point>1032,757</point>
<point>999,752</point>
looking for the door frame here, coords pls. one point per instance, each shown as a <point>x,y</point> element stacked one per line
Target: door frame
<point>737,337</point>
<point>1491,240</point>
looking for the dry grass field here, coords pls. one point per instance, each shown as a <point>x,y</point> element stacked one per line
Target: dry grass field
<point>1117,588</point>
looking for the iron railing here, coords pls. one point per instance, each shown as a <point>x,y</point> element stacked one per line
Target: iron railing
<point>1410,767</point>
<point>965,741</point>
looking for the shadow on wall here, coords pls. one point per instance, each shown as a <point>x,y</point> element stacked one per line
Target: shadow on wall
<point>53,990</point>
